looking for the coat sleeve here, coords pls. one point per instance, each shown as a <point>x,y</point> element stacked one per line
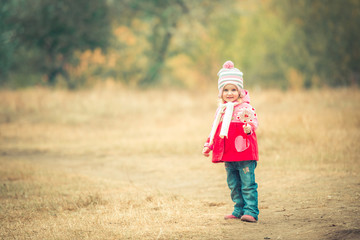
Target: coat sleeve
<point>207,143</point>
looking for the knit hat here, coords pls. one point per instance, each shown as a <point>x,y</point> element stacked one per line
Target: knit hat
<point>229,75</point>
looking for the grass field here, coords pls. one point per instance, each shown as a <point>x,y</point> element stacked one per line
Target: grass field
<point>112,163</point>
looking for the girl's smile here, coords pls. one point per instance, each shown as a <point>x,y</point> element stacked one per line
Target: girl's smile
<point>230,93</point>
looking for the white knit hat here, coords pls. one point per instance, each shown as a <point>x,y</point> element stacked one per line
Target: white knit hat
<point>229,75</point>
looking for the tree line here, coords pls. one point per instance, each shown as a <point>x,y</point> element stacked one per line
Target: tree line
<point>283,43</point>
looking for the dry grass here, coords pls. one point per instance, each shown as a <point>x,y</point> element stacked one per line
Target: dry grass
<point>113,163</point>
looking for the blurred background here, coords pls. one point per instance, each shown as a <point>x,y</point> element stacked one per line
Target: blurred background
<point>179,43</point>
<point>105,106</point>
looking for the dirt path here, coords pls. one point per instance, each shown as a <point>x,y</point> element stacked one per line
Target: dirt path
<point>294,204</point>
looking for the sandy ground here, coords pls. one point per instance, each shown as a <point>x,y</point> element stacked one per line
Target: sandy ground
<point>294,204</point>
<point>309,184</point>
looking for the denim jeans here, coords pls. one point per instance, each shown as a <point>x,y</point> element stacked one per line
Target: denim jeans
<point>241,181</point>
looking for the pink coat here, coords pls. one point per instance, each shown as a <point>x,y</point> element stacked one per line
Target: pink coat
<point>238,146</point>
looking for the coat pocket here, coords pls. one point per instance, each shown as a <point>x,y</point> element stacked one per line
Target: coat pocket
<point>241,143</point>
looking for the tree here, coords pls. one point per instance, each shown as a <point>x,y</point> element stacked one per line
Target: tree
<point>326,43</point>
<point>163,18</point>
<point>7,47</point>
<point>57,29</point>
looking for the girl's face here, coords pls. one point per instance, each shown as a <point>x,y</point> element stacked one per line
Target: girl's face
<point>230,93</point>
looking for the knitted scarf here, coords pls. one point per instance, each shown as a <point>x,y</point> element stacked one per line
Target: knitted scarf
<point>229,109</point>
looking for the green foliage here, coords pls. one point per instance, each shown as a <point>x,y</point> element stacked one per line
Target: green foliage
<point>285,44</point>
<point>255,40</point>
<point>164,22</point>
<point>162,17</point>
<point>6,45</point>
<point>57,29</point>
<point>293,44</point>
<point>326,42</point>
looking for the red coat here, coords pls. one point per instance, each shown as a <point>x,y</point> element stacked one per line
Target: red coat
<point>238,146</point>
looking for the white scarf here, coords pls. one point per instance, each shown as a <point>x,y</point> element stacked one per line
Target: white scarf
<point>226,121</point>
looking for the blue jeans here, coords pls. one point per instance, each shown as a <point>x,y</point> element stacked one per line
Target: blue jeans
<point>241,181</point>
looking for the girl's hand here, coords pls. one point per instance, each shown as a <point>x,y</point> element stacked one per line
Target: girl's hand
<point>247,128</point>
<point>206,151</point>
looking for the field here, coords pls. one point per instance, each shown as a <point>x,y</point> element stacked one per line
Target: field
<point>114,163</point>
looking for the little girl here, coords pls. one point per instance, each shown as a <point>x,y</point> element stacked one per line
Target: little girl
<point>233,141</point>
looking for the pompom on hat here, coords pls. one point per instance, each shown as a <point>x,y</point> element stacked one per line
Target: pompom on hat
<point>229,75</point>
